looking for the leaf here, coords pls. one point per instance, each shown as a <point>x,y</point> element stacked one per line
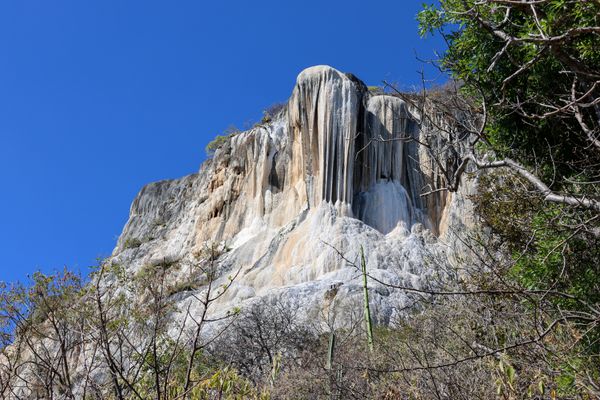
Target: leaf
<point>510,373</point>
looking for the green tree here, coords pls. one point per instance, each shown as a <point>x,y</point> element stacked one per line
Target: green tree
<point>529,73</point>
<point>533,68</point>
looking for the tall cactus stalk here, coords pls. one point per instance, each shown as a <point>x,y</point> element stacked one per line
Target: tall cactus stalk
<point>368,320</point>
<point>330,350</point>
<point>334,381</point>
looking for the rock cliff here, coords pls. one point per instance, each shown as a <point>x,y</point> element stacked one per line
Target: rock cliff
<point>294,200</point>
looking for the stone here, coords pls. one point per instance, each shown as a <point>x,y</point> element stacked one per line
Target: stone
<point>296,198</point>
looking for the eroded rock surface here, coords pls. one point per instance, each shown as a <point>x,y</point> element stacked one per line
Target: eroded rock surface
<point>295,200</point>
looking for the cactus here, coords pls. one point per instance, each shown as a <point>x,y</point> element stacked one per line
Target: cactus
<point>336,380</point>
<point>368,320</point>
<point>330,350</point>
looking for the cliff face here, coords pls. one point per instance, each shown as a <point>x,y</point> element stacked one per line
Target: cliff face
<point>338,169</point>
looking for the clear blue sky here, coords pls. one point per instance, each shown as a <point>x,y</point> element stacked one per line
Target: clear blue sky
<point>98,98</point>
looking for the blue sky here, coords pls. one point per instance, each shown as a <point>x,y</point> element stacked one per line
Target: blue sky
<point>98,98</point>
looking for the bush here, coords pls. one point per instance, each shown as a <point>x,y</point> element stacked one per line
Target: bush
<point>220,140</point>
<point>180,287</point>
<point>271,112</point>
<point>274,109</point>
<point>132,243</point>
<point>263,336</point>
<point>375,90</point>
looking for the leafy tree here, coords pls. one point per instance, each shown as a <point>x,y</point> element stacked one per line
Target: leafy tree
<point>528,74</point>
<point>533,69</point>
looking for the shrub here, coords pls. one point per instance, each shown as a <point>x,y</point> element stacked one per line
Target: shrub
<point>274,109</point>
<point>375,90</point>
<point>132,243</point>
<point>271,112</point>
<point>220,140</point>
<point>185,286</point>
<point>262,336</point>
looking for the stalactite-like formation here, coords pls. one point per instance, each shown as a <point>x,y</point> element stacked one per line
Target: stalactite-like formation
<point>382,154</point>
<point>356,150</point>
<point>323,116</point>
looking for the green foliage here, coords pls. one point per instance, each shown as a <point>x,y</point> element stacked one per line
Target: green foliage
<point>527,84</point>
<point>547,251</point>
<point>375,90</point>
<point>548,254</point>
<point>477,57</point>
<point>220,140</point>
<point>270,113</point>
<point>22,307</point>
<point>132,243</point>
<point>214,144</point>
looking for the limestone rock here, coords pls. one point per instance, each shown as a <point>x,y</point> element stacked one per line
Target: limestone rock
<point>339,169</point>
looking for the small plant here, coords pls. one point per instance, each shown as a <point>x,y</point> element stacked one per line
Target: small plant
<point>220,140</point>
<point>375,89</point>
<point>212,250</point>
<point>271,112</point>
<point>181,287</point>
<point>274,109</point>
<point>132,243</point>
<point>266,118</point>
<point>330,350</point>
<point>159,222</point>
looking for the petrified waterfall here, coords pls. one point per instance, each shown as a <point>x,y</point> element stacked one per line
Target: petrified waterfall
<point>339,168</point>
<point>324,116</point>
<point>355,151</point>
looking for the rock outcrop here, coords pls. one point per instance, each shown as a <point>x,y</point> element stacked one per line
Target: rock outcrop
<point>295,199</point>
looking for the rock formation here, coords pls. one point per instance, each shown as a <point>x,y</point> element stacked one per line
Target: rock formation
<point>338,169</point>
